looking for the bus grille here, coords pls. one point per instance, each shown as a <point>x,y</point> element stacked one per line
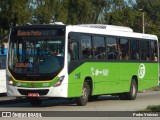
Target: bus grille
<point>25,92</point>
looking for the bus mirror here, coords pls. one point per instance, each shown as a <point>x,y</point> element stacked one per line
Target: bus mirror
<point>2,49</point>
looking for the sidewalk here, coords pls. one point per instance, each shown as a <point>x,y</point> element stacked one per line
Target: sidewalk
<point>151,89</point>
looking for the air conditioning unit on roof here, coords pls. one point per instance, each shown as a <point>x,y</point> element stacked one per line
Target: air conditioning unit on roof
<point>108,27</point>
<point>56,23</point>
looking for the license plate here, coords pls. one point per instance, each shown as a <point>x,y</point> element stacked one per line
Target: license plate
<point>33,94</point>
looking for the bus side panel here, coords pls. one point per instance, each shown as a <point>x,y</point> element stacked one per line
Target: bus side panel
<point>147,75</point>
<point>111,77</point>
<point>150,78</point>
<point>105,78</point>
<point>126,72</point>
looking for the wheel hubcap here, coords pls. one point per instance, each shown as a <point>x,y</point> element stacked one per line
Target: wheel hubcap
<point>84,94</point>
<point>133,90</point>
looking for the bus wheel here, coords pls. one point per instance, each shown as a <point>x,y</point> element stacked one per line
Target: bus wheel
<point>35,102</point>
<point>82,101</point>
<point>132,94</point>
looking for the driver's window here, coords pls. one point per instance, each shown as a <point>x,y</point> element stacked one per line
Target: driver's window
<point>2,49</point>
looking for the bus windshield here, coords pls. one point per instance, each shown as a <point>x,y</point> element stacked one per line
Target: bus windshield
<point>36,58</point>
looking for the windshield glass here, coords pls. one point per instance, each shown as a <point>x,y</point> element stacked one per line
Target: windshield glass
<point>36,58</point>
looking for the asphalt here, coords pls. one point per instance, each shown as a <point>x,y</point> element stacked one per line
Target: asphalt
<point>4,99</point>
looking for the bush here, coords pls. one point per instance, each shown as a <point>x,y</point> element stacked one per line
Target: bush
<point>153,108</point>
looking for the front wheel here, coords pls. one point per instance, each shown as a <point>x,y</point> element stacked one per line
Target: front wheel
<point>82,101</point>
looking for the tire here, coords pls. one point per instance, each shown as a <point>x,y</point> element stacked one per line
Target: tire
<point>35,102</point>
<point>132,94</point>
<point>82,101</point>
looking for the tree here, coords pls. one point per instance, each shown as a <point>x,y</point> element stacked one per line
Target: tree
<point>78,11</point>
<point>152,15</point>
<point>127,13</point>
<point>46,10</point>
<point>4,21</point>
<point>120,14</point>
<point>151,7</point>
<point>18,12</point>
<point>82,11</point>
<point>13,12</point>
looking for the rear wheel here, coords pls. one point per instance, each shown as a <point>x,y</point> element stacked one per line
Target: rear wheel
<point>132,94</point>
<point>82,101</point>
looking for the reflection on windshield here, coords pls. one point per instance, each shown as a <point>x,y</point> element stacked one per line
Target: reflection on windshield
<point>36,56</point>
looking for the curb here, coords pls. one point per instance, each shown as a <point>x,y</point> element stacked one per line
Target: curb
<point>150,90</point>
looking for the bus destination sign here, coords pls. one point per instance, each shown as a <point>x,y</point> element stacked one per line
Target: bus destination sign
<point>39,32</point>
<point>29,33</point>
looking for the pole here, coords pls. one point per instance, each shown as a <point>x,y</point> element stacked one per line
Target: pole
<point>143,23</point>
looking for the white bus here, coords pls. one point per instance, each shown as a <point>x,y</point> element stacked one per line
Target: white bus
<point>3,53</point>
<point>80,61</point>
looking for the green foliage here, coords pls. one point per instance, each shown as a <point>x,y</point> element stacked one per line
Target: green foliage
<point>151,9</point>
<point>82,11</point>
<point>45,10</point>
<point>13,12</point>
<point>115,12</point>
<point>129,14</point>
<point>122,14</point>
<point>153,108</point>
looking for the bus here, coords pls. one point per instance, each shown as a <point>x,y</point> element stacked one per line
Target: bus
<point>3,53</point>
<point>80,62</point>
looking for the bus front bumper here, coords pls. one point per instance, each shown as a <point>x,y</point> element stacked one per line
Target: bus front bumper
<point>60,91</point>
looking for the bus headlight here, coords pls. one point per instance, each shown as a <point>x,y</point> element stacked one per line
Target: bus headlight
<point>59,81</point>
<point>9,80</point>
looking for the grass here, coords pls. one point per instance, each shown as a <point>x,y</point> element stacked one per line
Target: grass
<point>152,108</point>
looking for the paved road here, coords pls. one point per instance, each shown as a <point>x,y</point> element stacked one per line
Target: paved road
<point>104,103</point>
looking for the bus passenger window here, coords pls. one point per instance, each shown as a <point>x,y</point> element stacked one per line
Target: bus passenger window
<point>153,50</point>
<point>145,50</point>
<point>112,48</point>
<point>86,47</point>
<point>124,48</point>
<point>99,48</point>
<point>134,44</point>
